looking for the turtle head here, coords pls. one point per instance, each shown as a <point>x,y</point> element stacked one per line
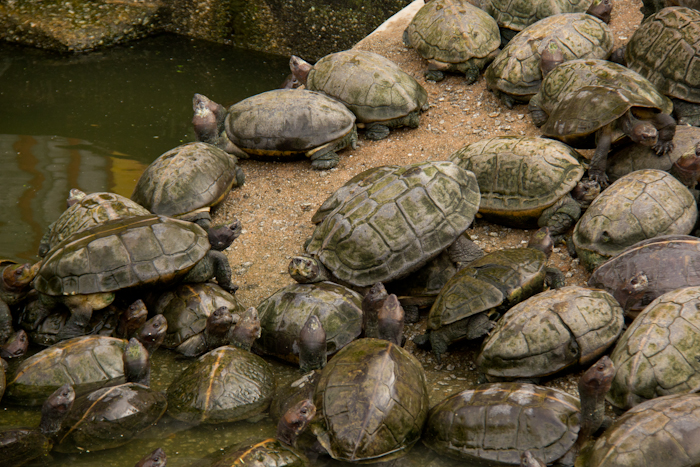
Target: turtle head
<point>644,132</point>
<point>290,82</point>
<point>601,9</point>
<point>596,381</point>
<point>306,270</point>
<point>528,459</point>
<point>541,239</point>
<point>312,346</point>
<point>222,236</point>
<point>55,409</point>
<point>586,191</point>
<point>155,459</point>
<point>208,119</point>
<point>295,420</point>
<point>246,330</point>
<point>300,69</point>
<point>687,168</point>
<point>550,57</point>
<point>16,346</point>
<point>132,319</point>
<point>633,294</point>
<point>19,276</point>
<point>152,333</point>
<point>137,363</point>
<point>74,196</point>
<point>219,322</point>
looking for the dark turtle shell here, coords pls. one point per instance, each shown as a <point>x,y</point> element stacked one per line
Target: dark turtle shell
<point>283,314</point>
<point>141,250</point>
<point>388,222</point>
<point>185,179</point>
<point>269,452</point>
<point>657,354</point>
<point>551,331</point>
<point>494,423</point>
<point>662,431</point>
<point>109,417</point>
<point>224,385</point>
<point>649,269</point>
<point>372,401</point>
<point>87,363</point>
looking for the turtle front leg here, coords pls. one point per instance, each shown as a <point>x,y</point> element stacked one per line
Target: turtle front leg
<point>324,157</point>
<point>222,271</point>
<point>81,308</point>
<point>596,171</point>
<point>666,128</point>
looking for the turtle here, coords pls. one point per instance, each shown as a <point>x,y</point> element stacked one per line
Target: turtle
<point>656,356</point>
<point>187,308</point>
<point>515,75</point>
<point>279,451</point>
<point>244,333</point>
<point>494,423</point>
<point>156,458</point>
<point>661,431</point>
<point>187,181</point>
<point>281,124</point>
<point>111,417</point>
<point>16,281</point>
<point>382,315</point>
<point>20,445</point>
<point>573,74</point>
<point>650,7</point>
<point>380,94</point>
<point>523,191</point>
<point>284,313</point>
<point>600,115</point>
<point>313,346</point>
<point>85,211</point>
<point>513,17</point>
<point>453,36</point>
<point>643,204</point>
<point>648,269</point>
<point>226,384</point>
<point>478,294</point>
<point>637,156</point>
<point>371,401</point>
<point>85,270</point>
<point>653,51</point>
<point>15,346</point>
<point>387,222</point>
<point>551,331</point>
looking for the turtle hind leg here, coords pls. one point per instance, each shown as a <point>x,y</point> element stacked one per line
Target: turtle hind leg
<point>434,75</point>
<point>376,131</point>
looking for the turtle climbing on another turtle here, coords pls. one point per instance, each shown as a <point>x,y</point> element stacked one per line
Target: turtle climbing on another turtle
<point>282,124</point>
<point>380,94</point>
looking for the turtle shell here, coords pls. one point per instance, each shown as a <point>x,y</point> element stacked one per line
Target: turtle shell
<point>641,205</point>
<point>494,423</point>
<point>583,112</point>
<point>388,223</point>
<point>141,250</point>
<point>656,356</point>
<point>649,269</point>
<point>372,402</point>
<point>551,331</point>
<point>87,363</point>
<point>519,14</point>
<point>454,31</point>
<point>374,88</point>
<point>516,70</point>
<point>226,384</point>
<point>185,179</point>
<point>92,210</point>
<point>286,123</point>
<point>496,281</point>
<point>283,314</point>
<point>515,186</point>
<point>109,418</point>
<point>572,75</point>
<point>187,307</point>
<point>662,431</point>
<point>665,49</point>
<point>269,452</point>
<point>637,156</point>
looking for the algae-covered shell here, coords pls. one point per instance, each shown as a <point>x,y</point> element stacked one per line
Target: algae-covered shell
<point>551,331</point>
<point>643,204</point>
<point>515,186</point>
<point>372,402</point>
<point>386,223</point>
<point>494,423</point>
<point>283,314</point>
<point>519,14</point>
<point>87,363</point>
<point>516,70</point>
<point>657,354</point>
<point>224,385</point>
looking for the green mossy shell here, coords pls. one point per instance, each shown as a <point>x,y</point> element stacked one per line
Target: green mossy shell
<point>494,423</point>
<point>189,177</point>
<point>284,313</point>
<point>374,88</point>
<point>551,331</point>
<point>519,14</point>
<point>394,221</point>
<point>515,186</point>
<point>656,356</point>
<point>265,453</point>
<point>87,363</point>
<point>516,69</point>
<point>226,384</point>
<point>641,205</point>
<point>372,402</point>
<point>18,446</point>
<point>141,250</point>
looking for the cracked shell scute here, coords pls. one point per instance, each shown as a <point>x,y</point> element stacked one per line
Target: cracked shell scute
<point>371,237</point>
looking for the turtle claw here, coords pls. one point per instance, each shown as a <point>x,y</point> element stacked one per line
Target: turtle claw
<point>662,148</point>
<point>600,177</point>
